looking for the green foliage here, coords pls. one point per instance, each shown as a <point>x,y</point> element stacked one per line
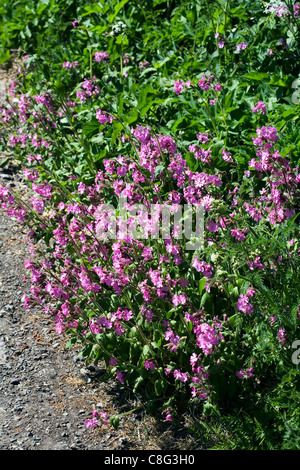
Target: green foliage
<point>152,46</point>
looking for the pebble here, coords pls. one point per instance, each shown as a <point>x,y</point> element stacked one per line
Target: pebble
<point>47,394</point>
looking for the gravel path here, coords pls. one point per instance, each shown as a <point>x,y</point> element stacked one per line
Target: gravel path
<point>46,391</point>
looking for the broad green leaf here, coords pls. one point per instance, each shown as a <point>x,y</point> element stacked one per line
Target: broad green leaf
<point>256,76</point>
<point>117,8</point>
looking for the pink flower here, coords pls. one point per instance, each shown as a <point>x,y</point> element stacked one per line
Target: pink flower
<point>92,423</point>
<point>179,299</point>
<point>178,86</point>
<point>251,291</point>
<point>168,413</point>
<point>241,374</point>
<point>103,117</point>
<point>67,65</point>
<point>282,336</point>
<point>241,46</point>
<point>202,267</point>
<point>104,418</point>
<point>207,338</point>
<point>204,83</point>
<point>259,106</point>
<point>142,134</point>
<point>212,226</point>
<point>240,236</point>
<point>173,340</point>
<point>243,304</point>
<point>226,156</point>
<point>203,137</point>
<point>120,377</point>
<point>101,56</point>
<point>244,374</point>
<point>81,188</point>
<point>180,375</point>
<point>38,205</point>
<point>148,364</point>
<point>113,362</point>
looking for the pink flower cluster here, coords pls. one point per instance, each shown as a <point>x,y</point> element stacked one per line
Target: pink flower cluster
<point>244,305</point>
<point>97,420</point>
<point>202,266</point>
<point>279,10</point>
<point>259,106</point>
<point>89,89</point>
<point>206,337</point>
<point>275,199</point>
<point>179,85</point>
<point>244,374</point>
<point>103,117</point>
<point>241,46</point>
<point>206,82</point>
<point>70,65</point>
<point>86,263</point>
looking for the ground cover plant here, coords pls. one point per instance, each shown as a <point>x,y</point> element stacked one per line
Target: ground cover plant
<point>125,118</point>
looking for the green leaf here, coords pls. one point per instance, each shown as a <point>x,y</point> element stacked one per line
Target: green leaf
<point>115,421</point>
<point>146,350</point>
<point>86,352</point>
<point>4,56</point>
<point>201,285</point>
<point>71,342</point>
<point>139,381</point>
<point>134,352</point>
<point>158,170</point>
<point>256,76</point>
<point>117,129</point>
<point>209,410</point>
<point>206,300</point>
<point>95,8</point>
<point>90,128</point>
<point>160,386</point>
<point>5,162</point>
<point>234,320</point>
<point>143,95</point>
<point>277,80</point>
<point>116,10</point>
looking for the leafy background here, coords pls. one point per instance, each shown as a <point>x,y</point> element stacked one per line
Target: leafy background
<point>164,42</point>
